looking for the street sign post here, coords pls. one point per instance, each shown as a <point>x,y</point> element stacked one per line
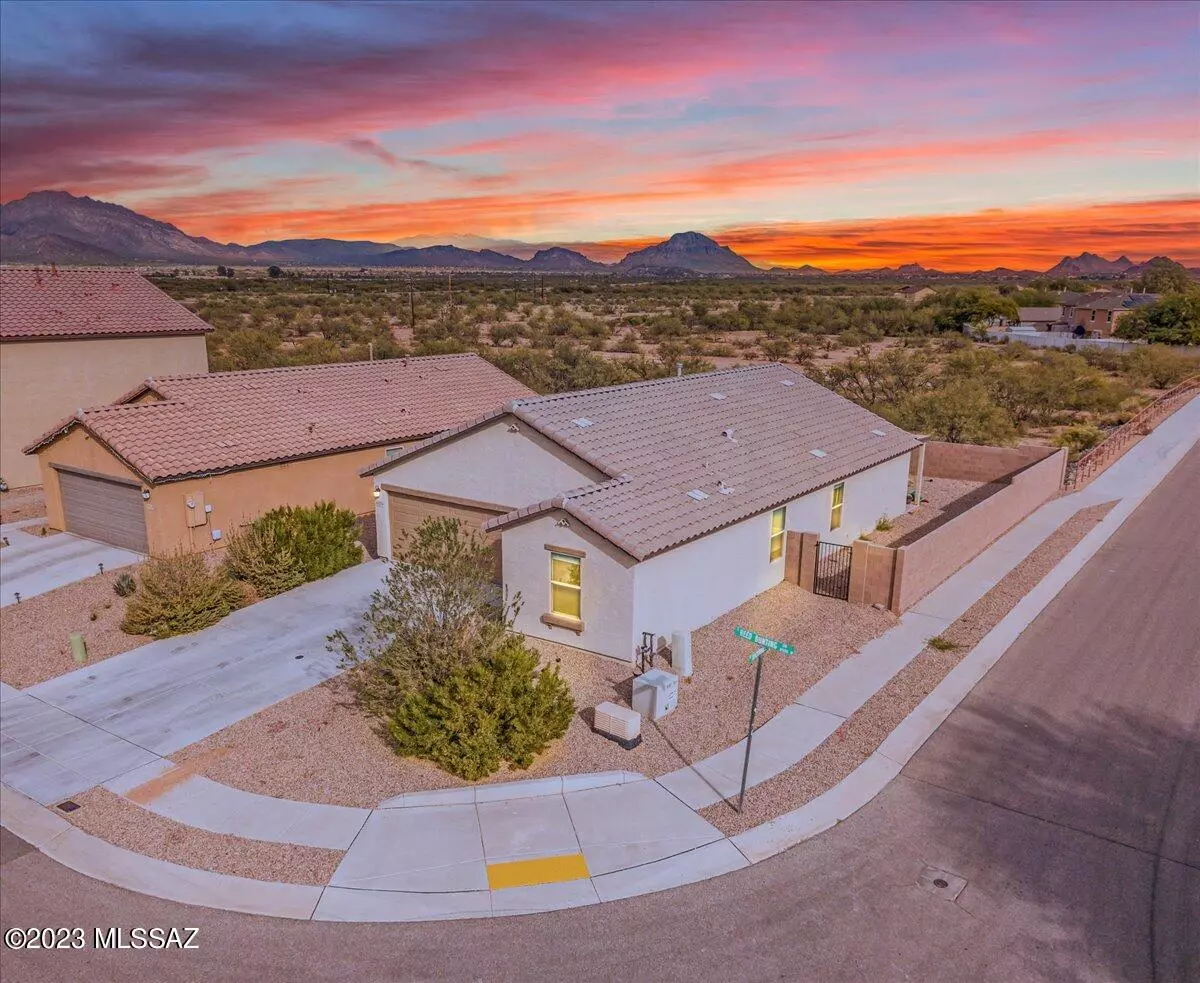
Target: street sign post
<point>756,659</point>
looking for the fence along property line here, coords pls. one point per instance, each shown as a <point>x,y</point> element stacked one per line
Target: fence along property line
<point>1108,450</point>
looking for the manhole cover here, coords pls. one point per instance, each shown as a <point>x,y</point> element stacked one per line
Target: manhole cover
<point>942,883</point>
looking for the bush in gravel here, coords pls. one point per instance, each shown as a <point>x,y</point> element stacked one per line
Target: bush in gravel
<point>322,537</point>
<point>178,594</point>
<point>437,611</point>
<point>260,556</point>
<point>435,662</point>
<point>1079,438</point>
<point>125,585</point>
<point>499,709</point>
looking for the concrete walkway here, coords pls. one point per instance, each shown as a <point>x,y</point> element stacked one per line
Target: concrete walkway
<point>493,850</point>
<point>32,565</point>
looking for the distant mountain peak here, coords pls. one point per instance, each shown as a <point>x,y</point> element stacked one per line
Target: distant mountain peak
<point>688,251</point>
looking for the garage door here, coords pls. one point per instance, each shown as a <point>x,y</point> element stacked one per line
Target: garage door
<point>103,509</point>
<point>407,511</point>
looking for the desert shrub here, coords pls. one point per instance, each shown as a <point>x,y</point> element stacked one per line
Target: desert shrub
<point>1160,366</point>
<point>1079,438</point>
<point>260,556</point>
<point>178,594</point>
<point>435,662</point>
<point>322,537</point>
<point>125,585</point>
<point>496,710</point>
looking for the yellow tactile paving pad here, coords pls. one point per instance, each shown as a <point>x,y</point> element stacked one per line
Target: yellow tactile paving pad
<point>540,870</point>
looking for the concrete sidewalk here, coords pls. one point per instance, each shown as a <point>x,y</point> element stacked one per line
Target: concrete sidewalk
<point>556,843</point>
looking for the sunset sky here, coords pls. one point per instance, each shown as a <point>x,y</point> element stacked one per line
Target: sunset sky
<point>846,135</point>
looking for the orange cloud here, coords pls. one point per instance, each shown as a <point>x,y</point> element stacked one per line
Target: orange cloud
<point>1021,238</point>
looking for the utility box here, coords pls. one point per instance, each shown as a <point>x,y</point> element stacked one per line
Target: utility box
<point>655,693</point>
<point>619,724</point>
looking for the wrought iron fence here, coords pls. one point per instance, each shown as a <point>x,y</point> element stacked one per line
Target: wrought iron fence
<point>832,575</point>
<point>1108,450</point>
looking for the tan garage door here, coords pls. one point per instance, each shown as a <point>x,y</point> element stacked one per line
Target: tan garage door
<point>407,511</point>
<point>103,509</point>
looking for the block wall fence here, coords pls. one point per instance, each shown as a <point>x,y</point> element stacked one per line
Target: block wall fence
<point>897,578</point>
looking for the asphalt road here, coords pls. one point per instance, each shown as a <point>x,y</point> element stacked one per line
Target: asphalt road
<point>1065,790</point>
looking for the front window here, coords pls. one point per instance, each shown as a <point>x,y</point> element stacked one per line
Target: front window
<point>566,586</point>
<point>835,511</point>
<point>778,520</point>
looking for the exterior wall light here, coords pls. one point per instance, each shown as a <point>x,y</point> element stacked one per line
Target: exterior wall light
<point>145,494</point>
<point>375,493</point>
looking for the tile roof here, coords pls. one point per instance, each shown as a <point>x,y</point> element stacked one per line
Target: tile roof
<point>40,305</point>
<point>744,437</point>
<point>223,421</point>
<point>1117,301</point>
<point>1039,313</point>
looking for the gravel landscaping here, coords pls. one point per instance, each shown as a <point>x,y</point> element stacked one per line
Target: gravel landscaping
<point>22,503</point>
<point>35,634</point>
<point>122,823</point>
<point>316,746</point>
<point>941,500</point>
<point>855,740</point>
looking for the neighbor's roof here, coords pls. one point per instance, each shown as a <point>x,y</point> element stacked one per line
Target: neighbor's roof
<point>43,305</point>
<point>914,288</point>
<point>750,431</point>
<point>1039,313</point>
<point>224,421</point>
<point>1117,301</point>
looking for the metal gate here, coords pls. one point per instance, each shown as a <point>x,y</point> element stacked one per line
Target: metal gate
<point>832,578</point>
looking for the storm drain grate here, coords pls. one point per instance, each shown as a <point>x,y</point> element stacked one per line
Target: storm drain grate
<point>67,806</point>
<point>942,883</point>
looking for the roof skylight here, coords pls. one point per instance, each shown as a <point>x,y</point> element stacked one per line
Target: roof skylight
<point>697,495</point>
<point>817,452</point>
<point>582,422</point>
<point>787,382</point>
<point>878,433</point>
<point>717,395</point>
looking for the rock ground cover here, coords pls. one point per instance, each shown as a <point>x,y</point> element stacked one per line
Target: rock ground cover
<point>316,746</point>
<point>855,740</point>
<point>35,634</point>
<point>941,500</point>
<point>122,823</point>
<point>22,503</point>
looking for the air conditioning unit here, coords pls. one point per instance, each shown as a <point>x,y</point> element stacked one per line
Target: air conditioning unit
<point>619,724</point>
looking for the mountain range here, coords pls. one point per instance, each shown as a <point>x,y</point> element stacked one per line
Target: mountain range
<point>56,226</point>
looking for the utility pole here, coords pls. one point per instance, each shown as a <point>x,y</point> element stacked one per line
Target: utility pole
<point>412,309</point>
<point>450,288</point>
<point>542,281</point>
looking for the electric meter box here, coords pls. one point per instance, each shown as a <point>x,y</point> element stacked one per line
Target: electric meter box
<point>655,693</point>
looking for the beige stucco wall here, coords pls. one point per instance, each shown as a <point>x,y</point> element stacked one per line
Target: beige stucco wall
<point>236,498</point>
<point>43,382</point>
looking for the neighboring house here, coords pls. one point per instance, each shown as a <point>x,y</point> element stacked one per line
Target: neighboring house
<point>914,294</point>
<point>184,460</point>
<point>655,506</point>
<point>1039,317</point>
<point>1070,299</point>
<point>1100,314</point>
<point>72,338</point>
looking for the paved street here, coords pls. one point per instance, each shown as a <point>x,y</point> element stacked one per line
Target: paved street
<point>1063,790</point>
<point>32,564</point>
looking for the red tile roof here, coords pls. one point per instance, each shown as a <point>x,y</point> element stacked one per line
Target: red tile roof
<point>44,305</point>
<point>224,421</point>
<point>742,437</point>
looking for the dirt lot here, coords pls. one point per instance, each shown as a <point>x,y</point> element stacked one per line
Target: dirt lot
<point>35,634</point>
<point>316,746</point>
<point>22,503</point>
<point>941,500</point>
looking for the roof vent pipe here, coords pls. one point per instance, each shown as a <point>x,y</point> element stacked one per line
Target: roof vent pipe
<point>678,370</point>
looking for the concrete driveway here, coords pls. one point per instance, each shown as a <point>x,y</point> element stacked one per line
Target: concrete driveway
<point>32,564</point>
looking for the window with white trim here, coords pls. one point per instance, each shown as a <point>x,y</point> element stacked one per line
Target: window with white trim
<point>778,522</point>
<point>835,509</point>
<point>566,586</point>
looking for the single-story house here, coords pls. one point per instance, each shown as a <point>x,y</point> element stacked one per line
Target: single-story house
<point>655,506</point>
<point>183,460</point>
<point>1101,314</point>
<point>81,337</point>
<point>914,294</point>
<point>1040,317</point>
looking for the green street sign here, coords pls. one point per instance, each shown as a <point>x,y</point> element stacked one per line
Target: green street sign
<point>769,643</point>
